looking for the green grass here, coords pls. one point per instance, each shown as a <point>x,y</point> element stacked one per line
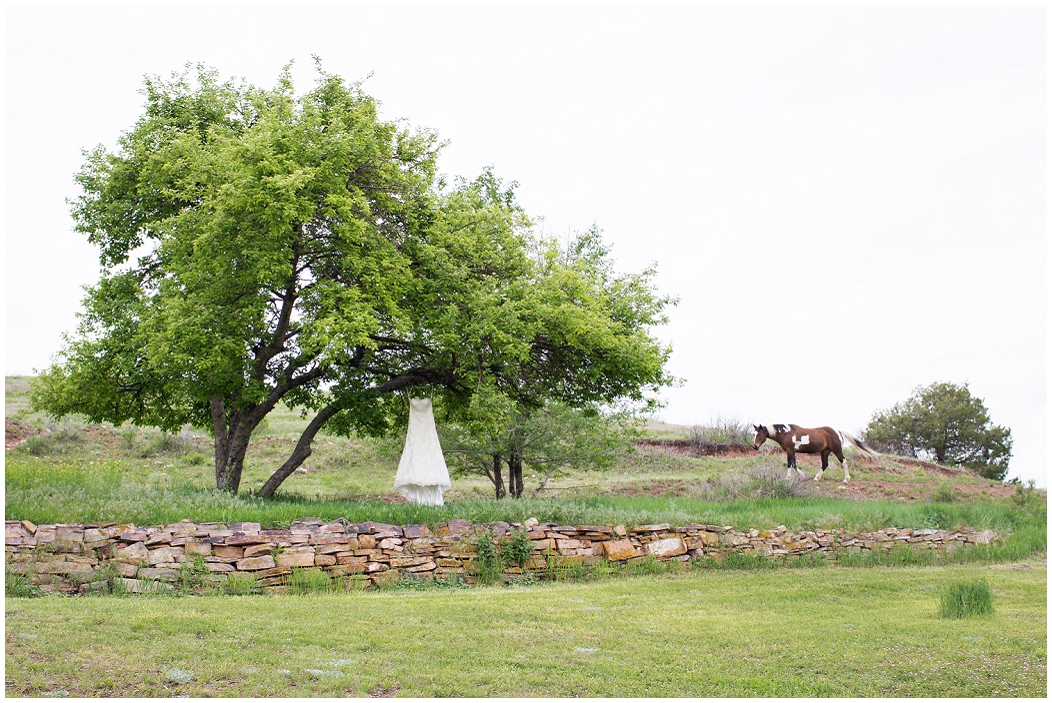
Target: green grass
<point>47,490</point>
<point>966,599</point>
<point>827,632</point>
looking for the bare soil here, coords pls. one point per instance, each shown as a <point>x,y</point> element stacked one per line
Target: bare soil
<point>16,432</point>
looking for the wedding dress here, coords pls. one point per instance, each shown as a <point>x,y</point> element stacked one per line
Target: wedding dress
<point>422,475</point>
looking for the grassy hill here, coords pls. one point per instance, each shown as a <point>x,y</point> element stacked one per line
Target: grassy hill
<point>69,471</point>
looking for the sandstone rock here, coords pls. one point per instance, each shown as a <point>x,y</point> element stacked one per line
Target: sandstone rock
<point>669,547</point>
<point>62,567</point>
<point>332,538</point>
<point>198,548</point>
<point>562,544</point>
<point>134,552</point>
<point>243,539</point>
<point>324,560</point>
<point>69,533</point>
<point>156,574</point>
<point>531,523</point>
<point>458,527</point>
<point>124,569</point>
<point>163,555</point>
<point>270,573</point>
<point>255,550</point>
<point>134,535</point>
<point>391,543</point>
<point>218,567</point>
<point>343,569</point>
<point>366,542</point>
<point>256,563</point>
<point>651,528</point>
<point>619,549</point>
<point>246,527</point>
<point>426,566</point>
<point>228,552</point>
<point>294,558</point>
<point>985,537</point>
<point>413,531</point>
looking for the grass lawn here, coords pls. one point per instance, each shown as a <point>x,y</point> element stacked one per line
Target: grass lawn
<point>826,632</point>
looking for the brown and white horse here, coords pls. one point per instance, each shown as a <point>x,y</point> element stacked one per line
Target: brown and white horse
<point>809,440</point>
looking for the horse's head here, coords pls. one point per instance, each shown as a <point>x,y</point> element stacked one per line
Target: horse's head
<point>761,436</point>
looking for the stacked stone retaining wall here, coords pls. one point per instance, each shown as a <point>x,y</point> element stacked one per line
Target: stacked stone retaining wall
<point>84,558</point>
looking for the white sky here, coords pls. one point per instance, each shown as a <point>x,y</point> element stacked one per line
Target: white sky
<point>849,202</point>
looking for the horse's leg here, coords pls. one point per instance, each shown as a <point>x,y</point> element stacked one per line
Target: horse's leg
<point>843,463</point>
<point>790,463</point>
<point>825,464</point>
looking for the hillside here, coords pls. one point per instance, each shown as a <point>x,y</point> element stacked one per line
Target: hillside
<point>666,463</point>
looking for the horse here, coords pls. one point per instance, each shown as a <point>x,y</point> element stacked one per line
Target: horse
<point>810,440</point>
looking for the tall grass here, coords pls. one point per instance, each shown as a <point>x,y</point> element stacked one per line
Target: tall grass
<point>966,599</point>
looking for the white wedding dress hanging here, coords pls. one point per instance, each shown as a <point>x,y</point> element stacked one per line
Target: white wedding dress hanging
<point>422,475</point>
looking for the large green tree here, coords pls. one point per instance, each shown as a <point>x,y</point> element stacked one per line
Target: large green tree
<point>262,247</point>
<point>944,422</point>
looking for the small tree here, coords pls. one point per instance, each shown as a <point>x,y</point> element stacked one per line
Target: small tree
<point>546,440</point>
<point>945,423</point>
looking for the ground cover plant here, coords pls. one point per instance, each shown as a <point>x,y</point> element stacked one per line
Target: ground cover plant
<point>804,632</point>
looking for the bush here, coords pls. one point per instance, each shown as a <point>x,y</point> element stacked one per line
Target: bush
<point>487,561</point>
<point>943,494</point>
<point>517,550</point>
<point>961,600</point>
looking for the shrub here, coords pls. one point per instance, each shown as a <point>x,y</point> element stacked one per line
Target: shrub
<point>943,494</point>
<point>487,561</point>
<point>961,600</point>
<point>517,550</point>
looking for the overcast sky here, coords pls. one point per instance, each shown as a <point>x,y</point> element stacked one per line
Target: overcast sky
<point>848,202</point>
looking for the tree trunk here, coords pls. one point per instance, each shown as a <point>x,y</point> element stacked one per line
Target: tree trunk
<point>515,473</point>
<point>300,453</point>
<point>232,432</point>
<point>497,477</point>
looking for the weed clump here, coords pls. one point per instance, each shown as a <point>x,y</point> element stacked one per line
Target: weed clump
<point>18,585</point>
<point>962,600</point>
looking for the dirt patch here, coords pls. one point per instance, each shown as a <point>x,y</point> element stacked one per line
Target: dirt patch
<point>16,432</point>
<point>687,447</point>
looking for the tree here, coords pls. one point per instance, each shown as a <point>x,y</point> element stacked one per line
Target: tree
<point>944,422</point>
<point>259,247</point>
<point>546,440</point>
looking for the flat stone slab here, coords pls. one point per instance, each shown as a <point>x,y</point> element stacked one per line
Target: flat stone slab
<point>669,547</point>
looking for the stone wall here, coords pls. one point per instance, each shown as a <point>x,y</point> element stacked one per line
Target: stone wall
<point>83,558</point>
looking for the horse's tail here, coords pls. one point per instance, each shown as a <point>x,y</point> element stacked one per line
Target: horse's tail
<point>862,446</point>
